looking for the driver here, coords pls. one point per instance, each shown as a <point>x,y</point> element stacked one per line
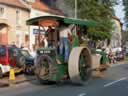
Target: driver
<point>65,33</point>
<point>45,41</point>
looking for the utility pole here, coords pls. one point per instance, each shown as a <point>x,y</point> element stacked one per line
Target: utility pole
<point>75,8</point>
<point>75,14</point>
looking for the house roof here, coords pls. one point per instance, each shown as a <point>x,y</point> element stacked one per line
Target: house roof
<point>116,18</point>
<point>15,3</point>
<point>43,7</point>
<point>37,5</point>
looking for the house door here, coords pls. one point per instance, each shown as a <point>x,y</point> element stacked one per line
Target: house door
<point>3,34</point>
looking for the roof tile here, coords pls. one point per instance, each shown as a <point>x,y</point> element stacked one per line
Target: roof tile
<point>15,3</point>
<point>43,7</point>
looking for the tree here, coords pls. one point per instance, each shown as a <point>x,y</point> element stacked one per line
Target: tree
<point>94,10</point>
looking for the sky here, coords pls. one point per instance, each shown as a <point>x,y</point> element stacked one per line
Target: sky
<point>119,11</point>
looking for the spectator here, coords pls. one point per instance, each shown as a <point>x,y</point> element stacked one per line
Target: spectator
<point>107,50</point>
<point>111,57</point>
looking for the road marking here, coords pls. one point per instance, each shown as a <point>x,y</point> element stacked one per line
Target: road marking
<point>111,83</point>
<point>82,94</point>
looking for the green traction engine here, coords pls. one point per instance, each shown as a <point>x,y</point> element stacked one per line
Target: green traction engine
<point>50,65</point>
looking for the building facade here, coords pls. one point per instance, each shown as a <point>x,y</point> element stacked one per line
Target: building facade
<point>13,16</point>
<point>38,8</point>
<point>116,39</point>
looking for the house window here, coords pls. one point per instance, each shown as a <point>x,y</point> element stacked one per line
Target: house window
<point>2,11</point>
<point>2,51</point>
<point>18,17</point>
<point>26,38</point>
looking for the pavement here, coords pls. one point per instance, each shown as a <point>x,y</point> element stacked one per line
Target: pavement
<point>120,62</point>
<point>20,78</point>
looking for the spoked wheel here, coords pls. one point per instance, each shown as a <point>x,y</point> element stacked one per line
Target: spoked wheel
<point>43,69</point>
<point>79,65</point>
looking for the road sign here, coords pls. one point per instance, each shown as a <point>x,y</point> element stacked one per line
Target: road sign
<point>36,31</point>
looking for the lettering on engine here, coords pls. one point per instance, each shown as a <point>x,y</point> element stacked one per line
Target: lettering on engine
<point>45,52</point>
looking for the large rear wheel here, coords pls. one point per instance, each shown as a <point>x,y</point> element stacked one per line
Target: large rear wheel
<point>79,65</point>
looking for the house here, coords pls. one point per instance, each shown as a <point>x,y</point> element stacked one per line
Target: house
<point>13,15</point>
<point>116,39</point>
<point>40,9</point>
<point>125,38</point>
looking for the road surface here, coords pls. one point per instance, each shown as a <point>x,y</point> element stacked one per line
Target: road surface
<point>114,84</point>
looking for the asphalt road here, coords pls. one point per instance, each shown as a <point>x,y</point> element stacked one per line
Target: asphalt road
<point>114,84</point>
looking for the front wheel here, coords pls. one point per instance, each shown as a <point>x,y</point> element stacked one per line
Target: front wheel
<point>44,66</point>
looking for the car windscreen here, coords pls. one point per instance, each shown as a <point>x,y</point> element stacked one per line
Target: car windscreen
<point>25,53</point>
<point>2,51</point>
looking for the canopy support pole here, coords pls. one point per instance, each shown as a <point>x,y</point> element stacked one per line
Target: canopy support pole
<point>39,35</point>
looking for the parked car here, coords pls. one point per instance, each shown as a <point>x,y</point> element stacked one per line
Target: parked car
<point>20,60</point>
<point>29,62</point>
<point>11,57</point>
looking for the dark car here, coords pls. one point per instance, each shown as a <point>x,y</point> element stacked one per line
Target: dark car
<point>29,62</point>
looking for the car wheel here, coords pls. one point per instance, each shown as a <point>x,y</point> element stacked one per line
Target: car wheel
<point>21,62</point>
